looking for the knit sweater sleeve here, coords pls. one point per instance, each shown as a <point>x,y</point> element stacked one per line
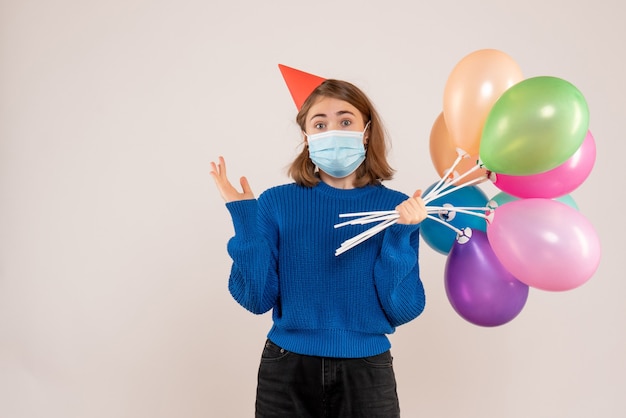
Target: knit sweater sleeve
<point>253,281</point>
<point>397,274</point>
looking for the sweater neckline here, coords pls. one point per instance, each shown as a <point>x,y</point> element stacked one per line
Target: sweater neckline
<point>355,193</point>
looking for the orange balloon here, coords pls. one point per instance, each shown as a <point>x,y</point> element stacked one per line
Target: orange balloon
<point>473,86</point>
<point>443,154</point>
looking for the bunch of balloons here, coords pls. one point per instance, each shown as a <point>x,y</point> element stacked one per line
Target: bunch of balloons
<point>530,137</point>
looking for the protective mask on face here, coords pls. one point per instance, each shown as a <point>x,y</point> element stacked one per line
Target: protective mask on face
<point>337,153</point>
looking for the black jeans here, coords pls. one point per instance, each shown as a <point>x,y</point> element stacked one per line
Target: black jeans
<point>296,386</point>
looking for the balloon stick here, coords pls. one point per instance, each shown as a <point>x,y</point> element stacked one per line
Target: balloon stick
<point>465,210</point>
<point>460,155</point>
<point>450,190</point>
<point>436,219</point>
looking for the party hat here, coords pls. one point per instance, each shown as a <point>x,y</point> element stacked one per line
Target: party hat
<point>300,84</point>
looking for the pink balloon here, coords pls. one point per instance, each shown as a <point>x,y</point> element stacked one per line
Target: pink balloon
<point>553,183</point>
<point>544,243</point>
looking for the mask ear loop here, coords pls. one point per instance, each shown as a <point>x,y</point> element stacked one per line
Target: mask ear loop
<point>367,125</point>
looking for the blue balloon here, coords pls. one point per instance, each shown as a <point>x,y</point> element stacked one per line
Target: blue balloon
<point>478,286</point>
<point>440,237</point>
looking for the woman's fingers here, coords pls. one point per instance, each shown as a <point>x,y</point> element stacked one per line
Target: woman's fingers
<point>227,190</point>
<point>245,186</point>
<point>412,210</point>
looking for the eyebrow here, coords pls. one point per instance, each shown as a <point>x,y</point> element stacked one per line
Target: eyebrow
<point>339,113</point>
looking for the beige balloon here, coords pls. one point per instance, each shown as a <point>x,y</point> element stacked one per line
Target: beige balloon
<point>473,86</point>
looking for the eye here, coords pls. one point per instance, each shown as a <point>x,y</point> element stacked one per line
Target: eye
<point>319,125</point>
<point>346,122</point>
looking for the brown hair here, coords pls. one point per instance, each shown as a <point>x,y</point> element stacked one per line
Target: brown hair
<point>375,168</point>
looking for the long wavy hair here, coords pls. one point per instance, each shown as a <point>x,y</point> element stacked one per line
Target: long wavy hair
<point>375,168</point>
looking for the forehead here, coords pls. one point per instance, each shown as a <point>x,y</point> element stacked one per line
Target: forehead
<point>330,106</point>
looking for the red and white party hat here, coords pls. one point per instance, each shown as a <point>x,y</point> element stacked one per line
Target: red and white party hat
<point>300,84</point>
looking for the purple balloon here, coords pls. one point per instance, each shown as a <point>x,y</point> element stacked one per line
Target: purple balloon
<point>478,286</point>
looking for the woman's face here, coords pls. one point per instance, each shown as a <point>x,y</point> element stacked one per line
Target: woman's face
<point>329,114</point>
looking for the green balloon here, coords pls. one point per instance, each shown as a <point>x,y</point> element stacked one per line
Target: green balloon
<point>535,126</point>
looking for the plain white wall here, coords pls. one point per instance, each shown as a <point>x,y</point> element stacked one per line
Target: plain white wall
<point>113,264</point>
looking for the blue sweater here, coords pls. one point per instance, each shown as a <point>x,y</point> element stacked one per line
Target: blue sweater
<point>284,259</point>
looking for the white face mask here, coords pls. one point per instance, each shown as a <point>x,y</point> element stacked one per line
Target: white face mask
<point>337,153</point>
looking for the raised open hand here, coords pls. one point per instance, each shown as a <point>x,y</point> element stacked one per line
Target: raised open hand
<point>227,190</point>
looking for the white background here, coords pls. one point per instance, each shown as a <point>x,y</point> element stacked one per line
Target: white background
<point>113,264</point>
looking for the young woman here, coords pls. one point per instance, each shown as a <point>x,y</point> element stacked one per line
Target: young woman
<point>327,353</point>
